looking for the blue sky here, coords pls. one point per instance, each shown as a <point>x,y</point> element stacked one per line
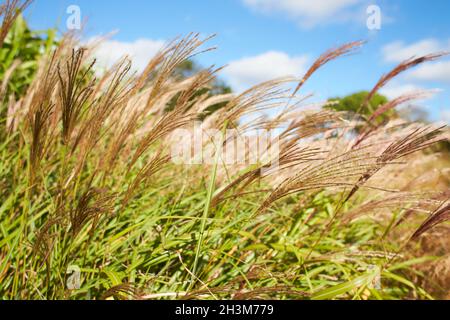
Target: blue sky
<point>263,39</point>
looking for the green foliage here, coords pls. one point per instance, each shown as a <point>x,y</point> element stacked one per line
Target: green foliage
<point>26,47</point>
<point>354,103</point>
<point>189,68</point>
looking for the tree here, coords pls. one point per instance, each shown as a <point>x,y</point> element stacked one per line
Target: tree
<point>189,68</point>
<point>354,103</point>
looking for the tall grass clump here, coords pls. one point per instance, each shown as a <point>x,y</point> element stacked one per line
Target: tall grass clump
<point>92,205</point>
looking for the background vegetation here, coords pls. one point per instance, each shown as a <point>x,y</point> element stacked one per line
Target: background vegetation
<point>357,208</point>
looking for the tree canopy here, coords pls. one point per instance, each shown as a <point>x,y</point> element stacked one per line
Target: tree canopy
<point>354,103</point>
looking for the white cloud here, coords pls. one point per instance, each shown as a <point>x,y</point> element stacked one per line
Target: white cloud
<point>431,71</point>
<point>397,51</point>
<point>417,108</point>
<point>307,12</point>
<point>437,71</point>
<point>394,90</point>
<point>249,71</point>
<point>445,115</point>
<point>140,52</point>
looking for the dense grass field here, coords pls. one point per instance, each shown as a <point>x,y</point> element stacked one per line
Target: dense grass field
<point>93,204</point>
